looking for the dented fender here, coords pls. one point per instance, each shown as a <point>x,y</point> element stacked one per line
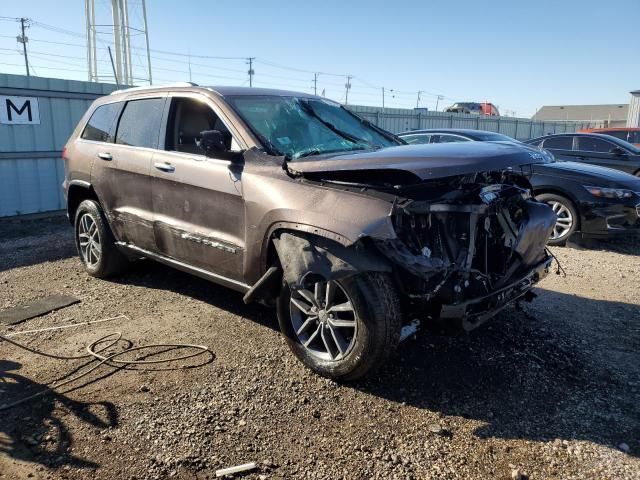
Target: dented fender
<point>302,255</point>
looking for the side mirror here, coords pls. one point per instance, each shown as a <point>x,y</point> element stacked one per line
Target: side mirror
<point>212,141</point>
<point>617,151</point>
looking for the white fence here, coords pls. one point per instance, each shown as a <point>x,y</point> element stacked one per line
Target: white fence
<point>398,120</point>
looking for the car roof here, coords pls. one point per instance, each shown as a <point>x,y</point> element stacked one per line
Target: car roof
<point>220,90</point>
<point>603,136</point>
<point>252,91</point>
<point>610,129</point>
<point>578,134</point>
<point>460,131</point>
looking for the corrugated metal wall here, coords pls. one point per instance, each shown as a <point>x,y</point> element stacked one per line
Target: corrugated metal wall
<point>398,120</point>
<point>31,171</point>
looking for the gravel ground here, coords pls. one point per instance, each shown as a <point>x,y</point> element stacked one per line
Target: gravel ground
<point>552,391</point>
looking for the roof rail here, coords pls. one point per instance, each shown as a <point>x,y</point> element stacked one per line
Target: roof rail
<point>149,87</point>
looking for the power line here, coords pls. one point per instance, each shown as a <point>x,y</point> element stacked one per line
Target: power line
<point>353,86</point>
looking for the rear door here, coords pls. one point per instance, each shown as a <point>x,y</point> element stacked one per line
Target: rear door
<point>561,147</point>
<point>197,200</point>
<point>126,181</point>
<point>601,152</point>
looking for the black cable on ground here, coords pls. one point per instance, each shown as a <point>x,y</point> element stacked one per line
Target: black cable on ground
<point>94,352</point>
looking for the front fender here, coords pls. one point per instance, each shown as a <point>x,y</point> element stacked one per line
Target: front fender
<point>274,201</point>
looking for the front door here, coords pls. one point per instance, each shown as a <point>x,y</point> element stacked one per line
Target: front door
<point>197,200</point>
<point>601,152</point>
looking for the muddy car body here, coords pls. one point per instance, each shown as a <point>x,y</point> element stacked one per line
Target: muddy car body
<point>293,200</point>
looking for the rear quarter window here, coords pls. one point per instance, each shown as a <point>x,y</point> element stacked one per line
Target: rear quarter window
<point>101,125</point>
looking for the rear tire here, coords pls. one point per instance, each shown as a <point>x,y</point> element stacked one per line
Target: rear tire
<point>95,242</point>
<point>568,219</point>
<point>365,320</point>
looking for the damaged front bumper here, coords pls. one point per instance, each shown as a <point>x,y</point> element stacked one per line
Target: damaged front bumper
<point>463,257</point>
<point>475,311</point>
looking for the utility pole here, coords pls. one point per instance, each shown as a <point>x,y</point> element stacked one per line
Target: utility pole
<point>438,98</point>
<point>347,87</point>
<point>315,84</point>
<point>418,99</point>
<point>189,60</point>
<point>382,97</point>
<point>146,37</point>
<point>251,72</point>
<point>23,40</point>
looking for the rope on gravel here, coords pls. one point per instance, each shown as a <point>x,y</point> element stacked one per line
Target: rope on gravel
<point>94,352</point>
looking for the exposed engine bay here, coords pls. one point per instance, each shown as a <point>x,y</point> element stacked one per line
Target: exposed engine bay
<point>466,245</point>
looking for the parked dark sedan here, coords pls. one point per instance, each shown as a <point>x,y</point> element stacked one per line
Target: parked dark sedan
<point>591,200</point>
<point>594,148</point>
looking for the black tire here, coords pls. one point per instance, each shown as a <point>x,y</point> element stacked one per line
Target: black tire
<point>553,199</point>
<point>110,261</point>
<point>378,318</point>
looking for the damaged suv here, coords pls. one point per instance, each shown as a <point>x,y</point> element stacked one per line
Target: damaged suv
<point>295,201</point>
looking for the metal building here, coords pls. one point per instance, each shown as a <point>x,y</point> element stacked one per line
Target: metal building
<point>633,120</point>
<point>37,115</point>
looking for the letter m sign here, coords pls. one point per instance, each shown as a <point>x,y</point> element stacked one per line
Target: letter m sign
<point>19,110</point>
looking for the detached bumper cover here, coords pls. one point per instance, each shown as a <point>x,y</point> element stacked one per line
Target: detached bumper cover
<point>474,312</point>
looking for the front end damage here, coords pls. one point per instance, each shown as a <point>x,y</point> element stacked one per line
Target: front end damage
<point>467,246</point>
<point>463,246</point>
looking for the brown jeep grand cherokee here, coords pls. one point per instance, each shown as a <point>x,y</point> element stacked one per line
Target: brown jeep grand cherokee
<point>294,200</point>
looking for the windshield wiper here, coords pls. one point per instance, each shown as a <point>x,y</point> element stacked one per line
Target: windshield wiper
<point>352,138</point>
<point>388,135</point>
<point>307,153</point>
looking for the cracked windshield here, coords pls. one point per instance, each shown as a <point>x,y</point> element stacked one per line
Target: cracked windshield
<point>301,127</point>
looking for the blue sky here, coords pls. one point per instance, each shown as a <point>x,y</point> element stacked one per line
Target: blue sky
<point>519,55</point>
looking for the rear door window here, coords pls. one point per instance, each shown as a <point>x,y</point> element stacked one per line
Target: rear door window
<point>591,144</point>
<point>101,125</point>
<point>558,143</point>
<point>446,138</point>
<point>416,139</point>
<point>139,124</point>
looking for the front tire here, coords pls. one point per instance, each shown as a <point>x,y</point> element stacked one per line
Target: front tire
<point>568,219</point>
<point>342,329</point>
<point>95,242</point>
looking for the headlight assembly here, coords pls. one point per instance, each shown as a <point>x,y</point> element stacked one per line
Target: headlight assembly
<point>618,193</point>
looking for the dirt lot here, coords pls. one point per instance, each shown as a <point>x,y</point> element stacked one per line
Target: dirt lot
<point>552,391</point>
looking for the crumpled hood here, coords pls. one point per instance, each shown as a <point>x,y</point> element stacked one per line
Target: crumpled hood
<point>594,174</point>
<point>425,161</point>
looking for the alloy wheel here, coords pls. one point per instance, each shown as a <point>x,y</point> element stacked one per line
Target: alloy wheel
<point>324,320</point>
<point>564,221</point>
<point>89,240</point>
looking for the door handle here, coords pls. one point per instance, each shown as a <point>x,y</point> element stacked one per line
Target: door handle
<point>165,167</point>
<point>105,156</point>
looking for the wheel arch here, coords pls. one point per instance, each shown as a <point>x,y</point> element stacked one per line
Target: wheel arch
<point>268,253</point>
<point>565,194</point>
<point>77,192</point>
